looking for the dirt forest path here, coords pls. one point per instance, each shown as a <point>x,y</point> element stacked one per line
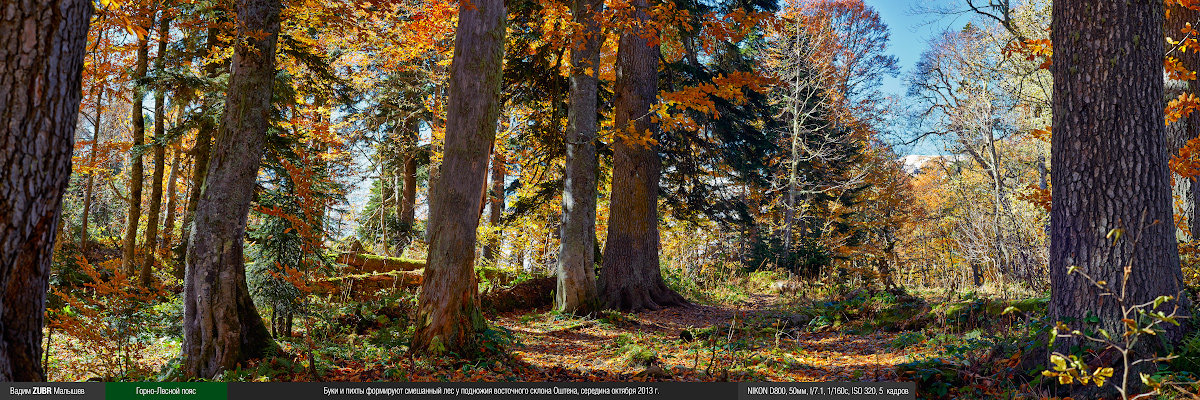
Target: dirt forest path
<point>657,344</point>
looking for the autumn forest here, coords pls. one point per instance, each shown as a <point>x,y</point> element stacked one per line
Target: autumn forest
<point>603,190</point>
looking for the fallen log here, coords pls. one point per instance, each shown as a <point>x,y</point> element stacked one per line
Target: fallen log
<point>369,285</point>
<point>368,276</point>
<point>533,293</point>
<point>373,263</point>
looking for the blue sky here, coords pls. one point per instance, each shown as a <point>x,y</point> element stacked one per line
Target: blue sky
<point>911,28</point>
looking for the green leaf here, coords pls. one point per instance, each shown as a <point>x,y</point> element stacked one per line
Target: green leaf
<point>1115,234</point>
<point>1160,300</point>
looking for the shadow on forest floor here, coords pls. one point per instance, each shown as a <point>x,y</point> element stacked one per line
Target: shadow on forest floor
<point>741,342</point>
<point>738,343</point>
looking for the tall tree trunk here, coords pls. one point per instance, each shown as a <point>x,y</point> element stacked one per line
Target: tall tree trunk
<point>576,275</point>
<point>42,46</point>
<point>976,274</point>
<point>172,195</point>
<point>886,276</point>
<point>387,195</point>
<point>448,314</point>
<point>408,209</point>
<point>200,151</point>
<point>221,326</point>
<point>408,200</point>
<point>136,172</point>
<point>91,181</point>
<point>496,207</point>
<point>160,157</point>
<point>796,107</point>
<point>631,279</point>
<point>1109,162</point>
<point>1178,20</point>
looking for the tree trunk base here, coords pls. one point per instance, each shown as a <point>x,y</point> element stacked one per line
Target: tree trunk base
<point>656,297</point>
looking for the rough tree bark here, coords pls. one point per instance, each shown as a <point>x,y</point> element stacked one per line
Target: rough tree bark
<point>200,151</point>
<point>222,328</point>
<point>42,44</point>
<point>160,157</point>
<point>448,315</point>
<point>1109,160</point>
<point>136,171</point>
<point>576,275</point>
<point>631,279</point>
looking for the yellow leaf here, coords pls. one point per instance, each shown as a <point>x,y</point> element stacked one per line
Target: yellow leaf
<point>1115,234</point>
<point>1101,375</point>
<point>1060,363</point>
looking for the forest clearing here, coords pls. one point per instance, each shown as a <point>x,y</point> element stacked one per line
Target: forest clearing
<point>981,198</point>
<point>761,335</point>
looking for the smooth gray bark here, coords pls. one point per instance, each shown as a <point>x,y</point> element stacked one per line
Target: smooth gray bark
<point>576,290</point>
<point>448,315</point>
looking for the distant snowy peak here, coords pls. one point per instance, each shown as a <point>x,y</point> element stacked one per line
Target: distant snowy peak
<point>912,164</point>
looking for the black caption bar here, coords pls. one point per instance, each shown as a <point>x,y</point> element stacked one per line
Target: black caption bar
<point>483,390</point>
<point>828,390</point>
<point>458,391</point>
<point>53,391</point>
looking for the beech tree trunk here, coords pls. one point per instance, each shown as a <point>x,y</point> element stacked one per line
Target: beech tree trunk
<point>91,180</point>
<point>42,44</point>
<point>200,151</point>
<point>631,279</point>
<point>172,195</point>
<point>499,172</point>
<point>1109,162</point>
<point>448,315</point>
<point>160,158</point>
<point>576,275</point>
<point>222,328</point>
<point>136,172</point>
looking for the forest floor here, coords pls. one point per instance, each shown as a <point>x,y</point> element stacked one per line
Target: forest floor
<point>735,353</point>
<point>748,341</point>
<point>736,330</point>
